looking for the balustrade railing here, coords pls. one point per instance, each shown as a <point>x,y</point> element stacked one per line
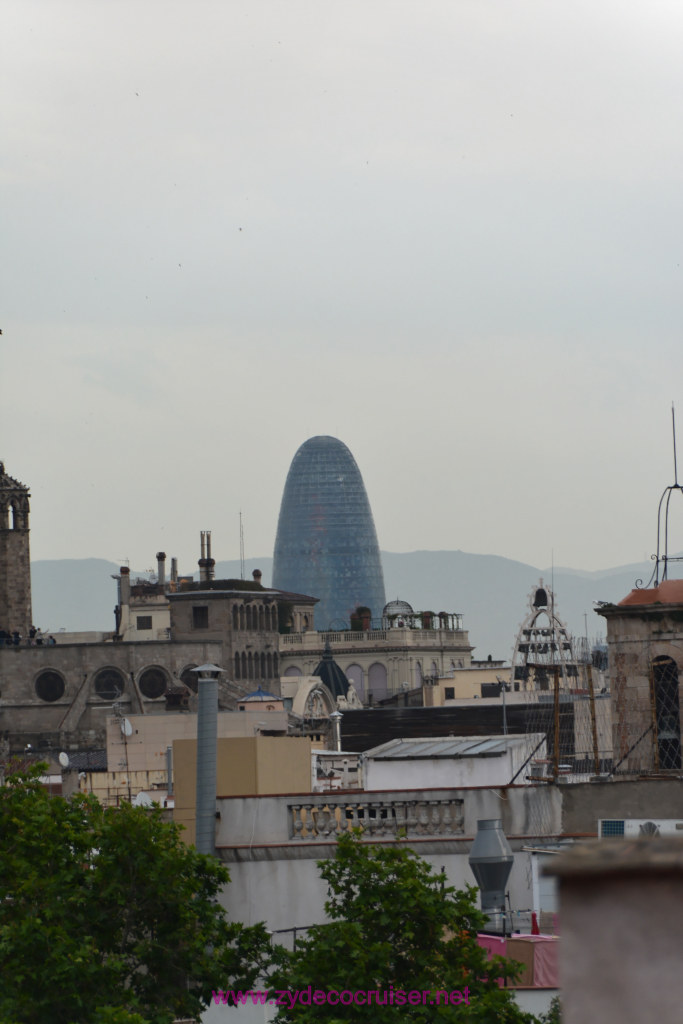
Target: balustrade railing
<point>327,818</point>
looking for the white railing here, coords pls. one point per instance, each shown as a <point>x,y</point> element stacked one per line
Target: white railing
<point>330,816</point>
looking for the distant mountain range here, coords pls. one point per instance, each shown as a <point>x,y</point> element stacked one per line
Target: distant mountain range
<point>491,592</point>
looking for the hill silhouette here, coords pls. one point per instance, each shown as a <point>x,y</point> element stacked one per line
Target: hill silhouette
<point>491,592</point>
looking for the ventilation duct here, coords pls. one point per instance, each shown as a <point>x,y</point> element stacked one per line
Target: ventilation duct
<point>491,862</point>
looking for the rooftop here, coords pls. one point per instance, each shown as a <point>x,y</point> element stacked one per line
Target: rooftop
<point>435,748</point>
<point>660,855</point>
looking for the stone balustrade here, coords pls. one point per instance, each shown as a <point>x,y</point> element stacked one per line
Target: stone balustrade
<point>328,817</point>
<point>403,637</point>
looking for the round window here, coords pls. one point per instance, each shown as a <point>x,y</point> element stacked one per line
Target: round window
<point>153,683</point>
<point>109,684</point>
<point>189,678</point>
<point>50,686</point>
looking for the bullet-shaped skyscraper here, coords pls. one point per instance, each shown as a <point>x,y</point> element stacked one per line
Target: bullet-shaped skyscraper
<point>326,543</point>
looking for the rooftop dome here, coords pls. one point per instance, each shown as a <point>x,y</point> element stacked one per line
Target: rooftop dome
<point>397,608</point>
<point>258,695</point>
<point>330,673</point>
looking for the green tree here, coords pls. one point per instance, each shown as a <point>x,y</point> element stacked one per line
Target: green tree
<point>105,912</point>
<point>395,924</point>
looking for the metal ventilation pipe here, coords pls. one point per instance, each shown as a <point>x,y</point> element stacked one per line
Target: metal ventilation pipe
<point>491,862</point>
<point>169,771</point>
<point>335,719</point>
<point>161,568</point>
<point>207,725</point>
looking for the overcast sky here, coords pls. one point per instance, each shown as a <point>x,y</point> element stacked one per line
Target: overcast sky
<point>448,232</point>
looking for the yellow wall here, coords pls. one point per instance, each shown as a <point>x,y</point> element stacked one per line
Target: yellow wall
<point>466,682</point>
<point>245,766</point>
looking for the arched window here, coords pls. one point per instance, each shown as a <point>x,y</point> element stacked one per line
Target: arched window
<point>241,616</point>
<point>417,674</point>
<point>263,665</point>
<point>293,670</point>
<point>261,621</point>
<point>250,662</point>
<point>244,666</point>
<point>377,681</point>
<point>238,666</point>
<point>248,616</point>
<point>235,617</point>
<point>275,665</point>
<point>273,617</point>
<point>667,711</point>
<point>355,675</point>
<point>269,665</point>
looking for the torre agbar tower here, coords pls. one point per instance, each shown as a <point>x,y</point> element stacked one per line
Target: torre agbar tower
<point>326,543</point>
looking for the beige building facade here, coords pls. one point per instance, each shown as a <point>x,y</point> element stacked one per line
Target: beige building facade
<point>245,766</point>
<point>381,662</point>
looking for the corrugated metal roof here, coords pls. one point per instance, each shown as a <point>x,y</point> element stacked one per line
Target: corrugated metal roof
<point>445,747</point>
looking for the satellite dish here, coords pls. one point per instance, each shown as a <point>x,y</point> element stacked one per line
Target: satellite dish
<point>142,800</point>
<point>126,727</point>
<point>64,760</point>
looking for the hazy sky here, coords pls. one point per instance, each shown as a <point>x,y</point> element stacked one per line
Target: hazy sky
<point>448,232</point>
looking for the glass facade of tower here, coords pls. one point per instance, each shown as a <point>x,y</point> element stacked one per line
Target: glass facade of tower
<point>326,543</point>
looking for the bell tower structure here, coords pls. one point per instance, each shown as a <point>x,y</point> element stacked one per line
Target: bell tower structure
<point>15,561</point>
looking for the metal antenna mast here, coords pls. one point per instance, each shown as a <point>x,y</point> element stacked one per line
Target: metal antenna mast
<point>662,556</point>
<point>241,547</point>
<point>673,428</point>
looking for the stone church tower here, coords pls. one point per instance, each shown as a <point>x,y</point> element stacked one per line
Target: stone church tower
<point>15,562</point>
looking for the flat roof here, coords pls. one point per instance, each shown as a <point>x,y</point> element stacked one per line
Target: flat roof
<point>433,748</point>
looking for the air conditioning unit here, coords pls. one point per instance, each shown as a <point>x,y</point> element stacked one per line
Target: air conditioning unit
<point>633,827</point>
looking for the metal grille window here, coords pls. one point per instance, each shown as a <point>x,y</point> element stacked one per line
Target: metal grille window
<point>109,684</point>
<point>189,678</point>
<point>153,683</point>
<point>667,712</point>
<point>144,622</point>
<point>611,828</point>
<point>200,617</point>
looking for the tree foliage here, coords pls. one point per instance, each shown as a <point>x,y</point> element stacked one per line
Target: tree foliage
<point>395,924</point>
<point>105,914</point>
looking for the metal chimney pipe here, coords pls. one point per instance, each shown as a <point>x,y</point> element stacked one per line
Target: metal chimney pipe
<point>207,724</point>
<point>174,570</point>
<point>161,568</point>
<point>169,771</point>
<point>336,718</point>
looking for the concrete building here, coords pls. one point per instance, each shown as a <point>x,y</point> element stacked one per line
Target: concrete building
<point>645,653</point>
<point>326,542</point>
<point>430,763</point>
<point>620,950</point>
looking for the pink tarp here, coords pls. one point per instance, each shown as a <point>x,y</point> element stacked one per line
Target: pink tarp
<point>542,958</point>
<point>545,973</point>
<point>494,946</point>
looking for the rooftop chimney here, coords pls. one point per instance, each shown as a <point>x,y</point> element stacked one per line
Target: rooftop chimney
<point>491,862</point>
<point>257,574</point>
<point>161,568</point>
<point>206,562</point>
<point>125,585</point>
